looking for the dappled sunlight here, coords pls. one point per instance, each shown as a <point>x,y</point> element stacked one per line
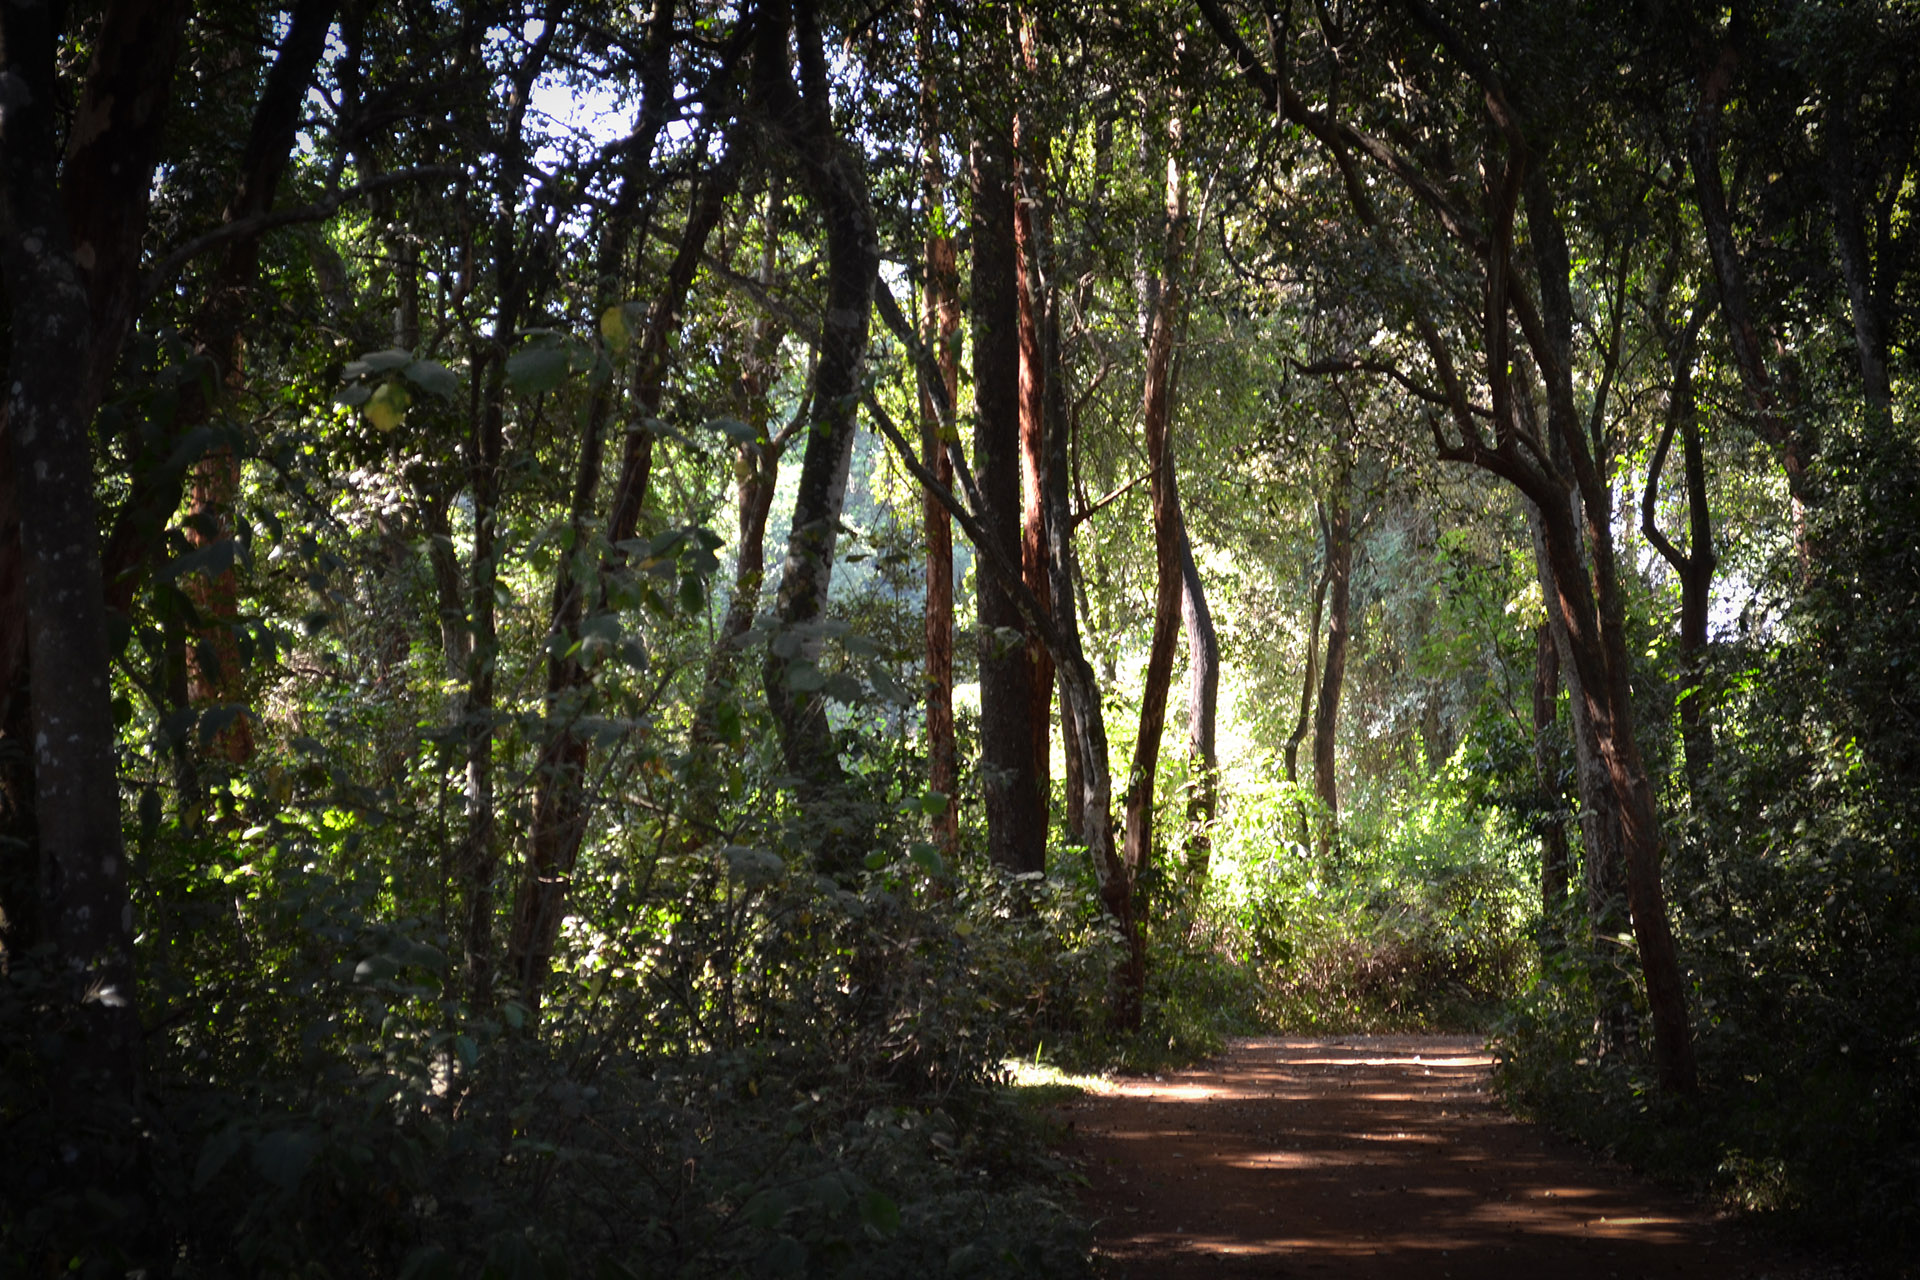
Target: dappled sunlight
<point>1369,1158</point>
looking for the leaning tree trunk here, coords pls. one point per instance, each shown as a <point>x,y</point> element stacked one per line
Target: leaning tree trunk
<point>1164,321</point>
<point>835,178</point>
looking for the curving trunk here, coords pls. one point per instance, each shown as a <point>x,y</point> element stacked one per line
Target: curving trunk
<point>835,179</point>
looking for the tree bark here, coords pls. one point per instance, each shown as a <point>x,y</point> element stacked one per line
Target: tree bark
<point>1165,319</point>
<point>942,326</point>
<point>1552,828</point>
<point>1060,629</point>
<point>835,179</point>
<point>1695,566</point>
<point>1326,711</point>
<point>1310,679</point>
<point>70,241</point>
<point>1032,234</point>
<point>1203,700</point>
<point>1016,818</point>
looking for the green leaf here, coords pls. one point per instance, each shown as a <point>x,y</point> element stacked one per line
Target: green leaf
<point>469,1052</point>
<point>354,396</point>
<point>219,1149</point>
<point>537,369</point>
<point>428,1262</point>
<point>284,1156</point>
<point>434,378</point>
<point>805,677</point>
<point>880,1213</point>
<point>733,429</point>
<point>379,362</point>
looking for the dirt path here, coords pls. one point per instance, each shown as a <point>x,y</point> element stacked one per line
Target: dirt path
<point>1371,1156</point>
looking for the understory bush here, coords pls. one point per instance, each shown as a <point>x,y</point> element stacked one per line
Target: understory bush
<point>777,1075</point>
<point>1420,920</point>
<point>1795,892</point>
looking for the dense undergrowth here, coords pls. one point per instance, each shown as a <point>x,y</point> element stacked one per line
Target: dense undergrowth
<point>1796,908</point>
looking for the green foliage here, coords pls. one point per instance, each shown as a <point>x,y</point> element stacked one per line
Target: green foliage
<point>1423,922</point>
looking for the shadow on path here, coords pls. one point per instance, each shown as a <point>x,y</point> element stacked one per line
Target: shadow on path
<point>1370,1156</point>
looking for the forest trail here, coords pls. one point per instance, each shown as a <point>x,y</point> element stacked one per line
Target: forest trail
<point>1371,1156</point>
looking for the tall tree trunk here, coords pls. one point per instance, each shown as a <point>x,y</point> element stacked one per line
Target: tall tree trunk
<point>487,410</point>
<point>1546,779</point>
<point>70,242</point>
<point>1203,700</point>
<point>1856,261</point>
<point>756,464</point>
<point>1033,234</point>
<point>1694,567</point>
<point>1594,610</point>
<point>215,672</point>
<point>1310,678</point>
<point>941,322</point>
<point>835,178</point>
<point>1061,630</point>
<point>560,802</point>
<point>1016,819</point>
<point>1165,319</point>
<point>1326,713</point>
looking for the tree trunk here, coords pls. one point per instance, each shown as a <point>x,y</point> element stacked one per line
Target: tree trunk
<point>70,244</point>
<point>479,852</point>
<point>1165,318</point>
<point>836,181</point>
<point>1060,628</point>
<point>1016,818</point>
<point>1793,443</point>
<point>1032,233</point>
<point>1546,779</point>
<point>1203,698</point>
<point>942,326</point>
<point>1309,681</point>
<point>1594,610</point>
<point>1326,713</point>
<point>215,672</point>
<point>1856,262</point>
<point>1695,566</point>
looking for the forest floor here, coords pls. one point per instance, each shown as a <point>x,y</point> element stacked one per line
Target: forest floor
<point>1377,1157</point>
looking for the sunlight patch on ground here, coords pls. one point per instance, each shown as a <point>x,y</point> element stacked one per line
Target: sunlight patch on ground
<point>1024,1073</point>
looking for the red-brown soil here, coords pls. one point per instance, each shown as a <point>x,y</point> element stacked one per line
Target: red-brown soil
<point>1372,1156</point>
